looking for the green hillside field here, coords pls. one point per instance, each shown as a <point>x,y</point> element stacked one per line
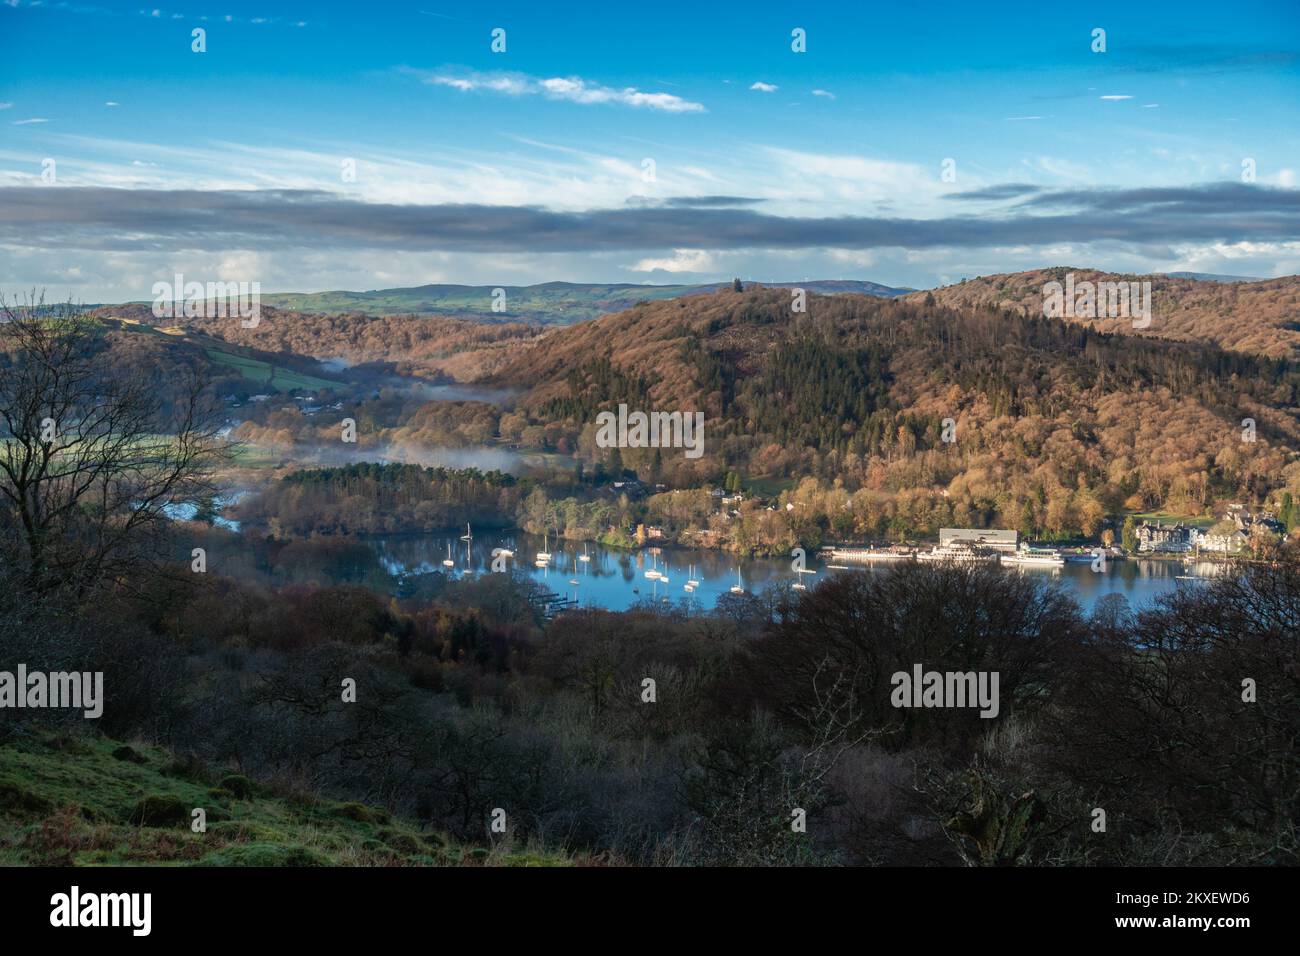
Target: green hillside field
<point>82,799</point>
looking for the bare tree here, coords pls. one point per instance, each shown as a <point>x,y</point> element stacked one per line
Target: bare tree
<point>92,459</point>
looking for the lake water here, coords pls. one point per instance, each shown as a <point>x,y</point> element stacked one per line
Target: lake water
<point>615,579</point>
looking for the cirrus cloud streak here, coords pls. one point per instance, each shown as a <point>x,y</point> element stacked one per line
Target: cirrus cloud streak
<point>573,89</point>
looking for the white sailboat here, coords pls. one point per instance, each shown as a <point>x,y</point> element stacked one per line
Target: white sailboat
<point>798,583</point>
<point>447,562</point>
<point>653,574</point>
<point>544,556</point>
<point>739,586</point>
<point>585,556</point>
<point>468,535</point>
<point>574,580</point>
<point>691,582</point>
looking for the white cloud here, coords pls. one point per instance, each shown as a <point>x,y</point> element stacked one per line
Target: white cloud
<point>683,260</point>
<point>1060,170</point>
<point>572,89</point>
<point>858,258</point>
<point>5,106</point>
<point>28,122</point>
<point>836,179</point>
<point>764,87</point>
<point>1116,96</point>
<point>826,93</point>
<point>112,103</point>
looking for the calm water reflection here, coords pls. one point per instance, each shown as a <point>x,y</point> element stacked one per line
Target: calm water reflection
<point>617,579</point>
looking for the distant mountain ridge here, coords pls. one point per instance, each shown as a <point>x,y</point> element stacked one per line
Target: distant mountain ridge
<point>1260,316</point>
<point>1211,277</point>
<point>557,303</point>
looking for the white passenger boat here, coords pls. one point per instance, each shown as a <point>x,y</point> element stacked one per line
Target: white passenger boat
<point>1026,556</point>
<point>870,554</point>
<point>958,555</point>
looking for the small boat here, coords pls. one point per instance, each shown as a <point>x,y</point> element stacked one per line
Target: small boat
<point>1035,557</point>
<point>798,583</point>
<point>447,561</point>
<point>653,574</point>
<point>468,535</point>
<point>691,582</point>
<point>585,556</point>
<point>739,586</point>
<point>690,588</point>
<point>544,556</point>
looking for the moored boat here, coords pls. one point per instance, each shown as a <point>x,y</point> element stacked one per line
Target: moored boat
<point>872,554</point>
<point>957,554</point>
<point>1026,556</point>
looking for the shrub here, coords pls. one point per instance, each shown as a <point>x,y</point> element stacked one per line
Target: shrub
<point>160,810</point>
<point>401,842</point>
<point>130,754</point>
<point>238,785</point>
<point>362,813</point>
<point>14,796</point>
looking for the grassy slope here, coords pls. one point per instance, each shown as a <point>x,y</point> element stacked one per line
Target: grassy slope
<point>69,800</point>
<point>261,372</point>
<point>257,370</point>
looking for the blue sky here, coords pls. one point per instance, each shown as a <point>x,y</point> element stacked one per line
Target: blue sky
<point>532,164</point>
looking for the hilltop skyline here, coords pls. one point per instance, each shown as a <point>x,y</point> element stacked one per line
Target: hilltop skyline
<point>910,148</point>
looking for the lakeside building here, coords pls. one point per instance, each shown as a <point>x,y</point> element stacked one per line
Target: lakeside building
<point>1237,529</point>
<point>1176,538</point>
<point>1220,540</point>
